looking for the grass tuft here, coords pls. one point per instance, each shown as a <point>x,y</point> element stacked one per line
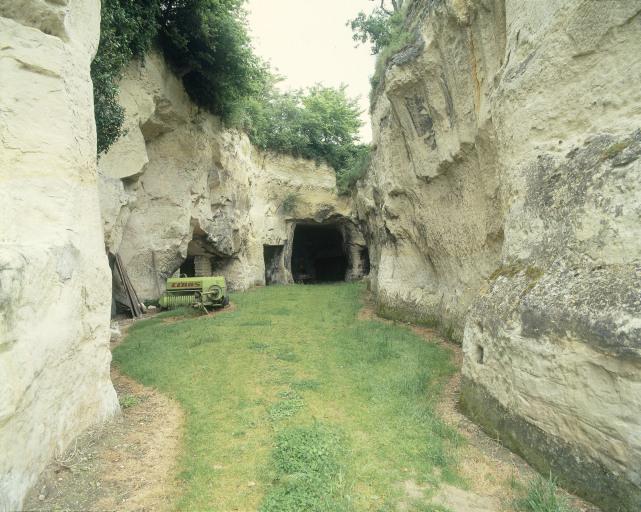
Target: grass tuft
<point>127,401</point>
<point>542,496</point>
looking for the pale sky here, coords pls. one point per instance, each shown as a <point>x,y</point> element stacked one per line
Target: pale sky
<point>307,42</point>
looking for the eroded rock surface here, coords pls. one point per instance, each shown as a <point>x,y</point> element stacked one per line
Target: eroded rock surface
<point>503,205</point>
<point>54,277</point>
<point>180,185</point>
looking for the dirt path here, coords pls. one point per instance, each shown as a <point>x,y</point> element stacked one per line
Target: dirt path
<point>127,464</point>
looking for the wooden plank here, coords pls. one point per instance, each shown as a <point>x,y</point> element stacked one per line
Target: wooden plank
<point>129,289</point>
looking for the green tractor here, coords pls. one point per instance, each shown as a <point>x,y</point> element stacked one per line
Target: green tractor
<point>199,292</point>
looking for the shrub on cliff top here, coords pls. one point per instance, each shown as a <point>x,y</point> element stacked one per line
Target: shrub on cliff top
<point>320,124</point>
<point>127,30</point>
<point>205,41</point>
<point>207,44</point>
<point>384,29</point>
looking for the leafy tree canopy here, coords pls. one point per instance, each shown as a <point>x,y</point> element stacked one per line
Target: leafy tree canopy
<point>379,26</point>
<point>320,123</point>
<point>207,44</point>
<point>384,28</point>
<point>205,41</point>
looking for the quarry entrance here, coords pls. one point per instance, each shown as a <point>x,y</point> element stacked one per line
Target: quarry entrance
<point>318,254</point>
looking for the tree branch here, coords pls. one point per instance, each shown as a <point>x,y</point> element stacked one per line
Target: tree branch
<point>386,11</point>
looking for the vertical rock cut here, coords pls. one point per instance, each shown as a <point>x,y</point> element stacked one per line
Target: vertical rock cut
<point>54,278</point>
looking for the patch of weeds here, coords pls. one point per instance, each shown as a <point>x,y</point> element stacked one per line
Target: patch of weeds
<point>127,401</point>
<point>258,346</point>
<point>288,395</point>
<point>285,408</point>
<point>281,311</point>
<point>412,384</point>
<point>305,385</point>
<point>531,272</point>
<point>542,496</point>
<point>308,471</point>
<point>287,356</point>
<point>374,344</point>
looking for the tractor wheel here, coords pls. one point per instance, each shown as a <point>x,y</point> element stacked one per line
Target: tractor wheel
<point>226,301</point>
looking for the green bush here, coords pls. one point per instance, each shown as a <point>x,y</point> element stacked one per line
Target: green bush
<point>127,30</point>
<point>386,30</point>
<point>321,123</point>
<point>355,169</point>
<point>205,41</point>
<point>208,45</point>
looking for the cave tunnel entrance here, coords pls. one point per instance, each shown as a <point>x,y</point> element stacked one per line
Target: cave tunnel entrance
<point>318,254</point>
<point>188,267</point>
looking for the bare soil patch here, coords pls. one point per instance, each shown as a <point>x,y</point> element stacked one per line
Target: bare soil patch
<point>126,464</point>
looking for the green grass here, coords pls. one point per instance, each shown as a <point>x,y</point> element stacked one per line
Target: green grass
<point>312,410</point>
<point>542,496</point>
<point>308,470</point>
<point>127,401</point>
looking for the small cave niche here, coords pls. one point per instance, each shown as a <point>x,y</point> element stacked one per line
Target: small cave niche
<point>188,267</point>
<point>202,258</point>
<point>365,265</point>
<point>273,257</point>
<point>479,354</point>
<point>318,254</point>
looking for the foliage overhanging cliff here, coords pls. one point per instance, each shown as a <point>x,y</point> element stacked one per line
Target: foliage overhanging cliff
<point>208,45</point>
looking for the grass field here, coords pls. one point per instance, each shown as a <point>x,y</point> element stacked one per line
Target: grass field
<point>293,403</point>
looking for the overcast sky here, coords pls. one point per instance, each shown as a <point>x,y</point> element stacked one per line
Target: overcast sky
<point>308,42</point>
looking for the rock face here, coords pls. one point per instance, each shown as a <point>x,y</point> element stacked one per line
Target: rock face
<point>503,205</point>
<point>180,186</point>
<point>54,291</point>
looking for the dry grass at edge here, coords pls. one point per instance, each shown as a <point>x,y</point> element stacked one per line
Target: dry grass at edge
<point>128,463</point>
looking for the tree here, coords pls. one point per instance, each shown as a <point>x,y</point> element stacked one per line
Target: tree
<point>205,41</point>
<point>208,44</point>
<point>378,27</point>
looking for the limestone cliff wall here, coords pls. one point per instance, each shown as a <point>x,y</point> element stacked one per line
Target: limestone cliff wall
<point>179,184</point>
<point>54,285</point>
<point>503,205</point>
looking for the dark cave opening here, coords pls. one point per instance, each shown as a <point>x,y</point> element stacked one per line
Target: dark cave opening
<point>188,267</point>
<point>365,265</point>
<point>318,254</point>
